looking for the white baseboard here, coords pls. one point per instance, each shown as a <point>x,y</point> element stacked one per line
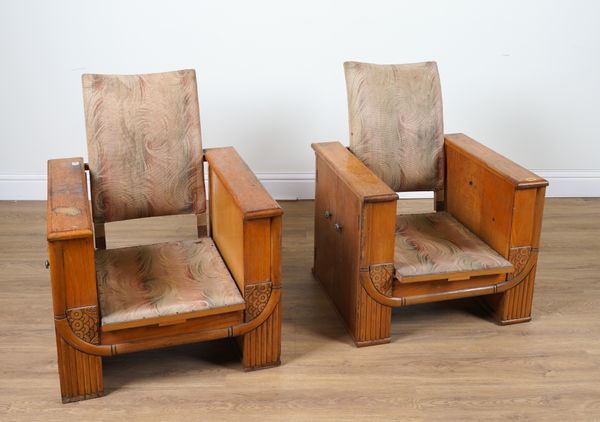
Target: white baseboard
<point>301,185</point>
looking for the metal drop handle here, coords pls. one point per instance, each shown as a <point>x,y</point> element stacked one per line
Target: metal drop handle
<point>338,227</point>
<point>47,264</point>
<point>328,214</point>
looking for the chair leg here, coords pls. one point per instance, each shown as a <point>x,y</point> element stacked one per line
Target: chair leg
<point>80,374</point>
<point>261,347</point>
<point>512,306</point>
<point>373,321</point>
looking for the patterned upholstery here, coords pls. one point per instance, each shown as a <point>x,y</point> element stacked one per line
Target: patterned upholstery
<point>435,246</point>
<point>396,127</point>
<point>144,146</point>
<point>164,279</point>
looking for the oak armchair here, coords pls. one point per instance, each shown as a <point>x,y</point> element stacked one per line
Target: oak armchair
<point>146,159</point>
<point>482,240</point>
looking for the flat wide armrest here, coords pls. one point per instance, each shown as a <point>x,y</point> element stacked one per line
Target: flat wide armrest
<point>245,222</point>
<point>518,176</point>
<point>69,214</point>
<point>359,178</point>
<point>247,192</point>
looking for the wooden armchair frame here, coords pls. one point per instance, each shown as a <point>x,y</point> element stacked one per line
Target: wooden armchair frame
<point>499,201</point>
<point>245,224</point>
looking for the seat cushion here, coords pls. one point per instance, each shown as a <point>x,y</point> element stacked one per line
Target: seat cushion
<point>143,283</point>
<point>436,246</point>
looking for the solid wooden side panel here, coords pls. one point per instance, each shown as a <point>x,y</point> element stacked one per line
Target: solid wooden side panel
<point>276,245</point>
<point>345,228</point>
<point>73,276</point>
<point>373,320</point>
<point>354,228</point>
<point>523,218</point>
<point>79,272</point>
<point>73,279</point>
<point>245,224</point>
<point>55,258</point>
<point>480,199</point>
<point>515,305</point>
<point>325,238</point>
<point>540,199</point>
<point>227,227</point>
<point>502,203</point>
<point>378,231</point>
<point>516,175</point>
<point>257,251</point>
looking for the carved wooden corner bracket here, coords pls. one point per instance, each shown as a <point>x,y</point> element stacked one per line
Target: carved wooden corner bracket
<point>256,296</point>
<point>524,260</point>
<point>381,276</point>
<point>66,331</point>
<point>377,282</point>
<point>520,257</point>
<point>84,323</point>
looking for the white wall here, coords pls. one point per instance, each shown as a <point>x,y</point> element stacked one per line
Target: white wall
<point>521,76</point>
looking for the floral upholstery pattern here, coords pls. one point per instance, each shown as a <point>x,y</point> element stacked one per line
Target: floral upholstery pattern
<point>434,246</point>
<point>396,125</point>
<point>163,279</point>
<point>144,145</point>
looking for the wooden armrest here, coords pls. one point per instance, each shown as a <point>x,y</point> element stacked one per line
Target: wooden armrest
<point>359,178</point>
<point>495,198</point>
<point>68,205</point>
<point>248,193</point>
<point>518,176</point>
<point>350,195</point>
<point>70,243</point>
<point>245,222</point>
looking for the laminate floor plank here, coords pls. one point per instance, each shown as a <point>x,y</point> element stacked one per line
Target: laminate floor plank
<point>447,361</point>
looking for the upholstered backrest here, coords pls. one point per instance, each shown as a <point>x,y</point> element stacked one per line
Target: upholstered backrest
<point>144,145</point>
<point>396,126</point>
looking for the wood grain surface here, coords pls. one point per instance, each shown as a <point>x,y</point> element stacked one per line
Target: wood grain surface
<point>445,362</point>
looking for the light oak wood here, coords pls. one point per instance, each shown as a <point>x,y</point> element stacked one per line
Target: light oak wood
<point>518,176</point>
<point>247,222</point>
<point>480,199</point>
<point>168,320</point>
<point>499,201</point>
<point>247,192</point>
<point>351,171</point>
<point>246,227</point>
<point>227,227</point>
<point>68,213</point>
<point>444,361</point>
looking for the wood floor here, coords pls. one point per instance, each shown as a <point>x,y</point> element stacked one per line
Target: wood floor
<point>447,361</point>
